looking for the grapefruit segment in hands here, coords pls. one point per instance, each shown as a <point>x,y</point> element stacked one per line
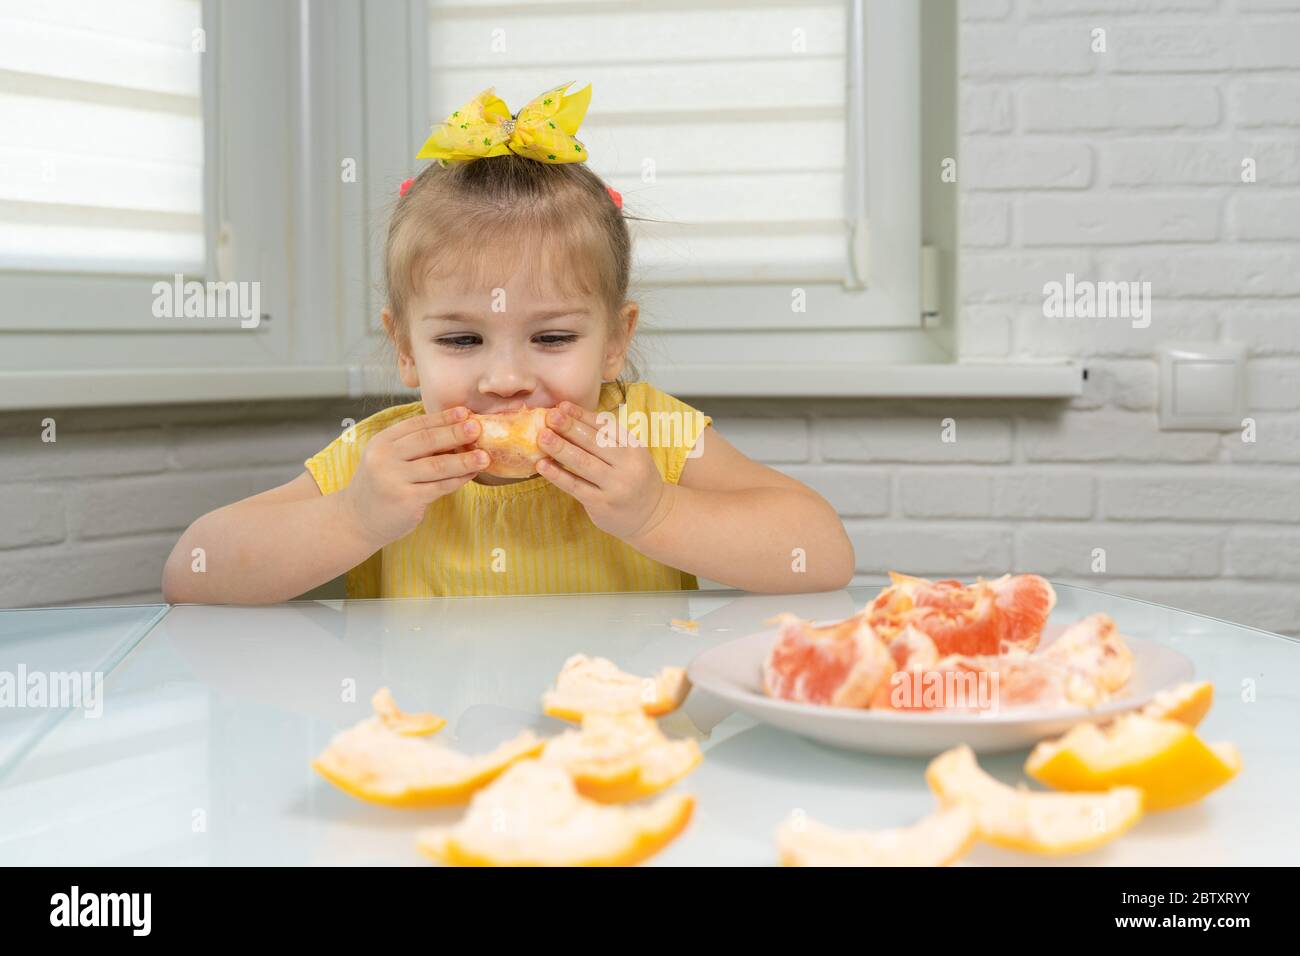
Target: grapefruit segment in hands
<point>939,840</point>
<point>510,439</point>
<point>594,684</point>
<point>1165,759</point>
<point>1047,823</point>
<point>375,763</point>
<point>841,664</point>
<point>533,815</point>
<point>624,756</point>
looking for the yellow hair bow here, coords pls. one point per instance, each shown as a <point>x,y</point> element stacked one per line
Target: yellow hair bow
<point>543,130</point>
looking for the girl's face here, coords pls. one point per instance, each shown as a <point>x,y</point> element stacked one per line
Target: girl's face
<point>498,349</point>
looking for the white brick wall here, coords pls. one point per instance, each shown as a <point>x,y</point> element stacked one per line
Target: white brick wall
<point>1123,165</point>
<point>1126,165</point>
<point>91,517</point>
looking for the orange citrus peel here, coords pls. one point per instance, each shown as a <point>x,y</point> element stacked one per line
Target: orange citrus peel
<point>533,815</point>
<point>1165,759</point>
<point>399,721</point>
<point>374,763</point>
<point>617,757</point>
<point>940,839</point>
<point>594,684</point>
<point>1017,819</point>
<point>1186,703</point>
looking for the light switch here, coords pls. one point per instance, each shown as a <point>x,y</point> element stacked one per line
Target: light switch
<point>1203,386</point>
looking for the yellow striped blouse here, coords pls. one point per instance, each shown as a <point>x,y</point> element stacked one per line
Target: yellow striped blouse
<point>522,538</point>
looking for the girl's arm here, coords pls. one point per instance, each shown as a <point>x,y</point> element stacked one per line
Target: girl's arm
<point>740,523</point>
<point>274,546</point>
<point>265,549</point>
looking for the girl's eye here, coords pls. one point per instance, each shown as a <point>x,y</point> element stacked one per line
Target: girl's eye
<point>459,341</point>
<point>553,341</point>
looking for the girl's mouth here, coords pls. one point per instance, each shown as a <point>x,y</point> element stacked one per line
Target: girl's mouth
<point>513,407</point>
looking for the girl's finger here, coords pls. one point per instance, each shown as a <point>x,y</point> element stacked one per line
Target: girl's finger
<point>584,491</point>
<point>578,460</point>
<point>625,437</point>
<point>581,432</point>
<point>437,439</point>
<point>418,423</point>
<point>437,468</point>
<point>574,410</point>
<point>436,489</point>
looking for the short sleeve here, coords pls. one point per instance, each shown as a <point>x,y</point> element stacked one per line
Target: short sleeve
<point>334,465</point>
<point>674,430</point>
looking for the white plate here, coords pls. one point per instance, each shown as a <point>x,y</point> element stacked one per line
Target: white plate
<point>733,672</point>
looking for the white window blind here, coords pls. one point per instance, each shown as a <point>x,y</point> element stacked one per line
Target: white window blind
<point>726,120</point>
<point>101,136</point>
<point>170,151</point>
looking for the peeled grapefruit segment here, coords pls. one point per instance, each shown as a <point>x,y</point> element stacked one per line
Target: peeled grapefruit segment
<point>1046,823</point>
<point>1083,672</point>
<point>988,684</point>
<point>912,684</point>
<point>1163,758</point>
<point>986,617</point>
<point>1024,602</point>
<point>1187,703</point>
<point>533,815</point>
<point>841,664</point>
<point>1095,649</point>
<point>938,840</point>
<point>967,684</point>
<point>399,721</point>
<point>621,756</point>
<point>913,650</point>
<point>377,764</point>
<point>594,684</point>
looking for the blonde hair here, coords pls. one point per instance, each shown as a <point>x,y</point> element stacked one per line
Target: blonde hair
<point>466,219</point>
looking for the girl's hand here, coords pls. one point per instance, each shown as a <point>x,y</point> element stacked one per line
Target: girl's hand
<point>619,486</point>
<point>408,466</point>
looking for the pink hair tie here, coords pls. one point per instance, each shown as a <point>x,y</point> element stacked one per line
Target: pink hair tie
<point>405,188</point>
<point>616,196</point>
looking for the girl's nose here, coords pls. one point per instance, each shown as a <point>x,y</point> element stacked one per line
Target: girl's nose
<point>507,382</point>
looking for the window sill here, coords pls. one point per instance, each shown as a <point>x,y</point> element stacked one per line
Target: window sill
<point>96,388</point>
<point>862,380</point>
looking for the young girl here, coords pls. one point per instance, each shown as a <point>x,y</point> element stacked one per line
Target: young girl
<point>506,266</point>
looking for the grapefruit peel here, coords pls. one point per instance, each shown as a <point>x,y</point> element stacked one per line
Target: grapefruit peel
<point>533,815</point>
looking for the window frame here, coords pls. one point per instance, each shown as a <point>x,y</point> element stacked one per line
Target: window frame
<point>93,335</point>
<point>727,338</point>
<point>309,85</point>
<point>906,339</point>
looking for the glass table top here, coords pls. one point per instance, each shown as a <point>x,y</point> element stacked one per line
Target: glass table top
<point>59,656</point>
<point>202,752</point>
